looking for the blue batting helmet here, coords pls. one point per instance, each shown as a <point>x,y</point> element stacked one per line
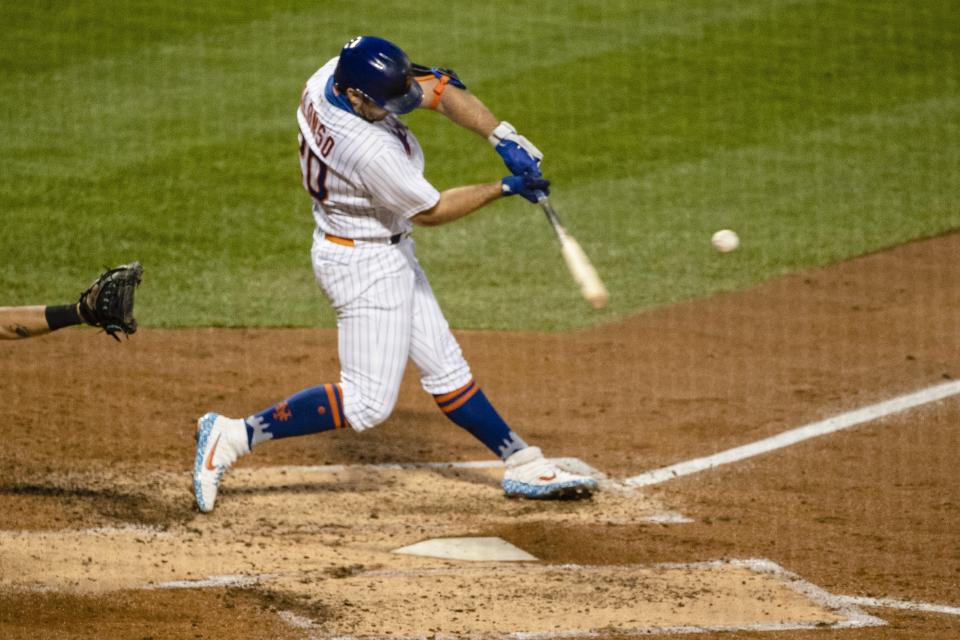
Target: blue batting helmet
<point>381,71</point>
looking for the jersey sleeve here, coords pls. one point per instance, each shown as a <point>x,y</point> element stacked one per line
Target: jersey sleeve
<point>398,186</point>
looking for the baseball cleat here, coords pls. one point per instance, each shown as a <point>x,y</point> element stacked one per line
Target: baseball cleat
<point>530,475</point>
<point>220,441</point>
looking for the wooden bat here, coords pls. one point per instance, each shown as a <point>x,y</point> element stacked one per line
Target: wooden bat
<point>591,286</point>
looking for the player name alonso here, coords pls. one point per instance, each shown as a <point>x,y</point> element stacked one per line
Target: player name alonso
<point>323,142</point>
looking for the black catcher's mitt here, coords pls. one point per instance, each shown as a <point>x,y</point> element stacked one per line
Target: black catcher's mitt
<point>108,303</point>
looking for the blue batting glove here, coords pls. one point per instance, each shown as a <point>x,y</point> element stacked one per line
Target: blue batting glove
<point>531,186</point>
<point>518,160</point>
<point>519,154</point>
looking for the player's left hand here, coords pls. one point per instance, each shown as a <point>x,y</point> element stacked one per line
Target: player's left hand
<point>519,154</point>
<point>531,186</point>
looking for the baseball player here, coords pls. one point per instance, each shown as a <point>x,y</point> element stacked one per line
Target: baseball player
<point>363,169</point>
<point>107,303</point>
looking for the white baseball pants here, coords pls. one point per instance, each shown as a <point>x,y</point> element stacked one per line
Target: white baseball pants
<point>386,314</point>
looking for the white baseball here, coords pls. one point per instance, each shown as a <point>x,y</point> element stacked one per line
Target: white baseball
<point>725,240</point>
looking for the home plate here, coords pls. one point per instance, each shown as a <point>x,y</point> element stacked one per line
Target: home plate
<point>489,549</point>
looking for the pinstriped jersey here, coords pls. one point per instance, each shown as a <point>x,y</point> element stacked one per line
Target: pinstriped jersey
<point>365,178</point>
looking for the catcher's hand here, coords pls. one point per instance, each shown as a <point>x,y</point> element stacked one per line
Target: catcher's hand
<point>108,303</point>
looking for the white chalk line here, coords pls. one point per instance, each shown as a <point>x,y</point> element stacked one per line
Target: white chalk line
<point>892,603</point>
<point>841,606</point>
<point>855,617</point>
<point>138,529</point>
<point>212,582</point>
<point>794,436</point>
<point>296,621</point>
<point>844,606</point>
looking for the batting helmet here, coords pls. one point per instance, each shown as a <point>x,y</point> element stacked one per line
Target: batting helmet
<point>381,71</point>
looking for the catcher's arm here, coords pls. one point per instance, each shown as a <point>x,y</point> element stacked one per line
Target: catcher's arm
<point>108,302</point>
<point>17,323</point>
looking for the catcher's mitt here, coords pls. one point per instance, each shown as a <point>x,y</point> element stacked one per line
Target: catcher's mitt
<point>108,303</point>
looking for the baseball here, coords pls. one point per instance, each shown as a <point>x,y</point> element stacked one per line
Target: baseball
<point>725,240</point>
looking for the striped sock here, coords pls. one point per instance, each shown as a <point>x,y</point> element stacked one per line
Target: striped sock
<point>312,410</point>
<point>469,408</point>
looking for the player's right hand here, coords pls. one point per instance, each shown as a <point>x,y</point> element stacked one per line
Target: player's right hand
<point>531,186</point>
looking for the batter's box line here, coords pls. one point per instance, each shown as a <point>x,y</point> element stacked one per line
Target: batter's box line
<point>789,438</point>
<point>841,606</point>
<point>849,606</point>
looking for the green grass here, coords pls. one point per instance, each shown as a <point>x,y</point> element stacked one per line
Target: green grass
<point>166,133</point>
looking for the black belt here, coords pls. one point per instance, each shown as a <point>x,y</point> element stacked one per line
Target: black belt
<point>349,242</point>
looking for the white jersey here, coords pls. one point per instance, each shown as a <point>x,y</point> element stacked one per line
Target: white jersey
<point>365,178</point>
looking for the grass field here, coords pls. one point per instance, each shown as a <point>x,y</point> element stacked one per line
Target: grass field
<point>165,132</point>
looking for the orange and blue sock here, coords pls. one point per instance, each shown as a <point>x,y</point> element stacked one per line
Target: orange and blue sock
<point>469,408</point>
<point>312,410</point>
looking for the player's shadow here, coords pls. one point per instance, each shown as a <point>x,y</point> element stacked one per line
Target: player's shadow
<point>88,506</point>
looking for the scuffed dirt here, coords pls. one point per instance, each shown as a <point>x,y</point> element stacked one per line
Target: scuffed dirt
<point>99,435</point>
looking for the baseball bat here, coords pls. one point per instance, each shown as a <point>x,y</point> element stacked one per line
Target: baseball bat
<point>579,265</point>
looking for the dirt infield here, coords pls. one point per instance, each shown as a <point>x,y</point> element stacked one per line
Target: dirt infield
<point>96,512</point>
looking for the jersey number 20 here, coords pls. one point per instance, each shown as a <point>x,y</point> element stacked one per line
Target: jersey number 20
<point>314,170</point>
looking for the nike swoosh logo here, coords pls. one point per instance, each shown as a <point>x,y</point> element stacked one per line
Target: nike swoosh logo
<point>213,450</point>
<point>548,478</point>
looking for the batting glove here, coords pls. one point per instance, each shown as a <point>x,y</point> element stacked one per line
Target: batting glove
<point>519,154</point>
<point>531,186</point>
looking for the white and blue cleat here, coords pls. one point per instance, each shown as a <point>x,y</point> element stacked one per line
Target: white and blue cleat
<point>530,475</point>
<point>220,441</point>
